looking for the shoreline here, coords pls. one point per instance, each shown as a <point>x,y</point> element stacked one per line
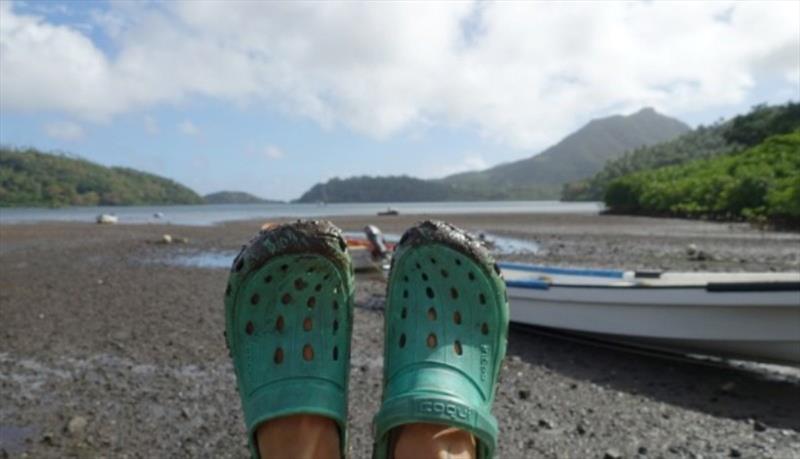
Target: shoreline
<point>564,239</point>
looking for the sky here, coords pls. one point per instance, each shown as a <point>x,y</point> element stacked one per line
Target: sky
<point>272,97</point>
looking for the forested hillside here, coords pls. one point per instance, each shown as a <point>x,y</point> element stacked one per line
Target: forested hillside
<point>578,155</point>
<point>723,138</point>
<point>377,189</point>
<point>234,197</point>
<point>761,183</point>
<point>29,177</point>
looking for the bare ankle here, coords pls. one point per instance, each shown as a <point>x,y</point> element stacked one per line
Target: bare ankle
<point>432,441</point>
<point>302,436</point>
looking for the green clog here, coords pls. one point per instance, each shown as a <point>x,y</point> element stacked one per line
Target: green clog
<point>288,322</point>
<point>446,336</point>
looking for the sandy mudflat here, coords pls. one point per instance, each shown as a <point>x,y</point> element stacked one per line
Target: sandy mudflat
<point>95,326</point>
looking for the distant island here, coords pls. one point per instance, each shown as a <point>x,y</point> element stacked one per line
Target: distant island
<point>235,197</point>
<point>31,178</point>
<point>542,176</point>
<point>377,189</point>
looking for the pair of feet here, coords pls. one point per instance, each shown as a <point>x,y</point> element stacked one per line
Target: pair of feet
<point>289,311</point>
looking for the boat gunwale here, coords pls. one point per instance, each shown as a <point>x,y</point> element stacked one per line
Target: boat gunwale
<point>588,272</point>
<point>709,287</point>
<point>715,287</point>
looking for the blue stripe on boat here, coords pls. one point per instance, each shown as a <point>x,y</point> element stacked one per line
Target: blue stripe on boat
<point>613,273</point>
<point>534,284</point>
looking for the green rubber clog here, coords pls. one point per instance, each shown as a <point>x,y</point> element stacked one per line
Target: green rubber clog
<point>446,336</point>
<point>288,323</point>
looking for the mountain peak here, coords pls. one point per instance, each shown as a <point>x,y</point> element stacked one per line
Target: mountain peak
<point>646,111</point>
<point>581,153</point>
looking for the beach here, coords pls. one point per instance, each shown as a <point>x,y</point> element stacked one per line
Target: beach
<point>109,349</point>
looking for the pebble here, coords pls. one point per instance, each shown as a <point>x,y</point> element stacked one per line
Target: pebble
<point>695,254</point>
<point>49,439</point>
<point>612,454</point>
<point>166,239</point>
<point>530,444</point>
<point>728,387</point>
<point>759,426</point>
<point>77,426</point>
<point>121,335</point>
<point>546,423</point>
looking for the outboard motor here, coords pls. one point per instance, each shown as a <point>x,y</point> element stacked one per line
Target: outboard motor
<point>375,238</point>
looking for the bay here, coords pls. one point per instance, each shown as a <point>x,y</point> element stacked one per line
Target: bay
<point>210,214</point>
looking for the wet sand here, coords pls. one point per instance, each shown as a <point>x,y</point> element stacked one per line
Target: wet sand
<point>97,327</point>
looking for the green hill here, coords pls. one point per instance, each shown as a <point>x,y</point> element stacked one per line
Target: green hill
<point>234,197</point>
<point>761,183</point>
<point>722,138</point>
<point>377,189</point>
<point>29,177</point>
<point>578,155</point>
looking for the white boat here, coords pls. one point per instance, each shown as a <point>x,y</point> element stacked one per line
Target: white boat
<point>107,218</point>
<point>750,316</point>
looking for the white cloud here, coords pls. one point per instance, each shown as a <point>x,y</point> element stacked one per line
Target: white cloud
<point>112,23</point>
<point>186,127</point>
<point>521,73</point>
<point>272,152</point>
<point>66,131</point>
<point>151,125</point>
<point>469,162</point>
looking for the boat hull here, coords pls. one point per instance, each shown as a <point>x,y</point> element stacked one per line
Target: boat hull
<point>754,325</point>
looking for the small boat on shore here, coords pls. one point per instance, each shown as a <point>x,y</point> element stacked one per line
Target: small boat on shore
<point>749,316</point>
<point>389,212</point>
<point>107,219</point>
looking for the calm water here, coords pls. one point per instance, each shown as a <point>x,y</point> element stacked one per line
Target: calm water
<point>210,214</point>
<point>500,245</point>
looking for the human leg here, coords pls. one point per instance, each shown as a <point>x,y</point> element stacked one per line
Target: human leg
<point>432,441</point>
<point>300,436</point>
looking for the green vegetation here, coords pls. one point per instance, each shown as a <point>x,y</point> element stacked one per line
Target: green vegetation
<point>760,184</point>
<point>376,189</point>
<point>410,189</point>
<point>234,197</point>
<point>722,138</point>
<point>31,178</point>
